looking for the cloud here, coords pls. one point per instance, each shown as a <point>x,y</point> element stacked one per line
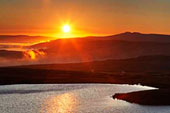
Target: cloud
<point>34,54</point>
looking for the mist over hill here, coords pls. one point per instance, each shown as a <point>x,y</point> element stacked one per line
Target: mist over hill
<point>121,46</point>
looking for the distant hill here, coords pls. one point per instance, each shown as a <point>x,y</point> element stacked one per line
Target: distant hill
<point>127,36</point>
<point>23,39</point>
<point>136,36</point>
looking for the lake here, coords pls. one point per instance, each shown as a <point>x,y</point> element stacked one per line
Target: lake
<point>71,98</point>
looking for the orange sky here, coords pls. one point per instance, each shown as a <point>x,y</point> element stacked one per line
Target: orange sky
<point>86,17</point>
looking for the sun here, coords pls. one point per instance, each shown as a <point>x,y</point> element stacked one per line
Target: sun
<point>66,28</point>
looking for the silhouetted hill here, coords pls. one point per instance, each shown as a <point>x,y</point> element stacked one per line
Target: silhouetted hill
<point>89,49</point>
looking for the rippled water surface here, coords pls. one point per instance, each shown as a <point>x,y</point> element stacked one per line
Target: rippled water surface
<point>71,98</point>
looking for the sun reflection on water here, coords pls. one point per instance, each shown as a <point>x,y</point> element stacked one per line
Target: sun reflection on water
<point>65,103</point>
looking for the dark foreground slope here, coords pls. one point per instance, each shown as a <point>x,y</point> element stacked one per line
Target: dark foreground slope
<point>144,64</point>
<point>151,70</point>
<point>40,76</point>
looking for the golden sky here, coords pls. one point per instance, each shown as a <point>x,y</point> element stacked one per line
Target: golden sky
<point>86,17</point>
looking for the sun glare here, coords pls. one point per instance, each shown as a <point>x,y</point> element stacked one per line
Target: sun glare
<point>66,29</point>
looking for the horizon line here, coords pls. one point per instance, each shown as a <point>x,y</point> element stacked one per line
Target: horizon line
<point>84,36</point>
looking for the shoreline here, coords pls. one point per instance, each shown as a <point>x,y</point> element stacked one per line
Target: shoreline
<point>156,97</point>
<point>22,75</point>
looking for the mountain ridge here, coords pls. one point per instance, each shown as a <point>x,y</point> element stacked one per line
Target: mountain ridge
<point>131,36</point>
